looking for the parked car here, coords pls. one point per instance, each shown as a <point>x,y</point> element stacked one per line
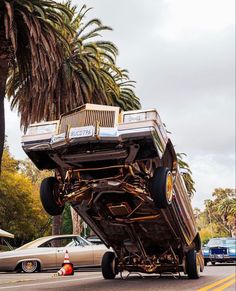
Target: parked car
<point>220,250</point>
<point>120,172</point>
<point>48,253</point>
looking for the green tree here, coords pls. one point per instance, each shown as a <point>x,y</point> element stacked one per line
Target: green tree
<point>87,73</point>
<point>31,49</point>
<point>67,225</point>
<point>59,224</point>
<point>218,219</point>
<point>20,209</point>
<point>223,208</point>
<point>36,176</point>
<point>8,162</point>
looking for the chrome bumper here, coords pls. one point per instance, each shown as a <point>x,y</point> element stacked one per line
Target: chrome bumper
<point>122,133</point>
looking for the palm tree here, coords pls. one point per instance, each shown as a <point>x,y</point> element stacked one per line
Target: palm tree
<point>105,82</point>
<point>187,174</point>
<point>88,73</point>
<point>227,211</point>
<point>31,49</point>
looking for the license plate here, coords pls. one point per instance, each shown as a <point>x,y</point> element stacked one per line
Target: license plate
<point>77,132</point>
<point>217,256</point>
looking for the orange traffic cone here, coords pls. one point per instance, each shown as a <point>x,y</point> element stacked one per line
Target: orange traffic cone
<point>66,259</point>
<point>67,268</point>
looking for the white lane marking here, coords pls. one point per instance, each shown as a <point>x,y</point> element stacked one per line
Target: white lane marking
<point>49,283</point>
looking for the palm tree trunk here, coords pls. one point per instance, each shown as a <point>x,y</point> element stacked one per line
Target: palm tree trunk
<point>2,120</point>
<point>75,221</point>
<point>4,57</point>
<point>56,224</point>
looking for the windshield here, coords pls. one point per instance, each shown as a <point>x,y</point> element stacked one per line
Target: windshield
<point>215,242</point>
<point>221,242</point>
<point>230,242</point>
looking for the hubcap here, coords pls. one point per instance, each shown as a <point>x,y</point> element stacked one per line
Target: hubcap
<point>29,266</point>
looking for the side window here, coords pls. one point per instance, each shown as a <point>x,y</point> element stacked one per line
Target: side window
<point>46,244</point>
<point>57,242</point>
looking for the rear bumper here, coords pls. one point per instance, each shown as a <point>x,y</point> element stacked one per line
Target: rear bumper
<point>121,133</point>
<point>103,142</point>
<point>220,258</point>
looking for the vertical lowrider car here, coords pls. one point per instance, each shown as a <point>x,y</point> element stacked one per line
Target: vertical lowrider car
<point>119,171</point>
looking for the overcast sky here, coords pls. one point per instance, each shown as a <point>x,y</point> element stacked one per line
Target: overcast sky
<point>181,53</point>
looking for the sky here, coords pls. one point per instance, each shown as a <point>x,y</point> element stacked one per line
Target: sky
<point>182,56</point>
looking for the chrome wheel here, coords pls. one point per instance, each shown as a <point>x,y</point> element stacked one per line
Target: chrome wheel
<point>169,187</point>
<point>29,266</point>
<point>161,187</point>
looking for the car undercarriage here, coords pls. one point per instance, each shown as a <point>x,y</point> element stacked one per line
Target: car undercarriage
<point>127,187</point>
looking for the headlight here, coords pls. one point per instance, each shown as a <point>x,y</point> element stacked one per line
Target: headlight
<point>232,250</point>
<point>206,251</point>
<point>42,128</point>
<point>139,116</point>
<point>134,117</point>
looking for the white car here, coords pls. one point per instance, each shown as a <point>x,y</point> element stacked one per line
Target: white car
<point>48,253</point>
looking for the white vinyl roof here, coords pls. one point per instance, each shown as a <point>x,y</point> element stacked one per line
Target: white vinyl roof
<point>4,233</point>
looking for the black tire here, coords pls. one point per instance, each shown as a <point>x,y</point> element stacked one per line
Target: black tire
<point>192,265</point>
<point>160,188</point>
<point>48,198</point>
<point>109,265</point>
<point>213,263</point>
<point>30,266</point>
<point>205,262</point>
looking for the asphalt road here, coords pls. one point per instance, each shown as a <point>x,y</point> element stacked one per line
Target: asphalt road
<point>219,277</point>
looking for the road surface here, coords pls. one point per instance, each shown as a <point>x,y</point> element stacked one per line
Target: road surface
<point>218,278</point>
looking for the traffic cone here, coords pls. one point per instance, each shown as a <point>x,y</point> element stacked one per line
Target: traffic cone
<point>66,259</point>
<point>67,268</point>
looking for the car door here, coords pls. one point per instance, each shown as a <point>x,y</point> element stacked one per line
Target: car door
<point>47,254</point>
<point>80,252</point>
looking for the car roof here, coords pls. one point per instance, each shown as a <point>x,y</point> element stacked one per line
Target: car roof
<point>4,233</point>
<point>223,238</point>
<point>41,240</point>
